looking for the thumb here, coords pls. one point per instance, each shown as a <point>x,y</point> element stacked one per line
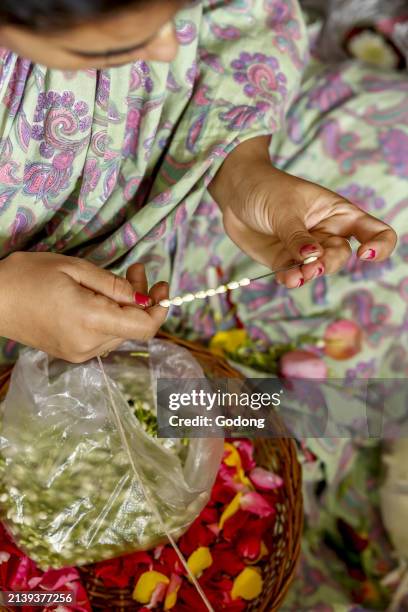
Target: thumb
<point>100,281</point>
<point>297,240</point>
<point>136,275</point>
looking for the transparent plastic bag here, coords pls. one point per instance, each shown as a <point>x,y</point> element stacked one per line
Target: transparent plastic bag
<point>68,493</point>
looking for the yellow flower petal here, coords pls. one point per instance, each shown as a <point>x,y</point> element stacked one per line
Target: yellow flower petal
<point>146,585</point>
<point>228,340</point>
<point>248,584</point>
<point>231,509</point>
<point>170,601</point>
<point>199,560</point>
<point>233,459</point>
<point>372,48</point>
<point>240,477</point>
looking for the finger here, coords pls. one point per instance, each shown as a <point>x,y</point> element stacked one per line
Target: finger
<point>160,291</point>
<point>136,275</point>
<point>99,280</point>
<point>337,252</point>
<point>299,243</point>
<point>293,278</point>
<point>107,318</point>
<point>378,240</point>
<point>378,247</point>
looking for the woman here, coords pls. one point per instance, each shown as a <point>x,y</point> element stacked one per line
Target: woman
<point>107,153</point>
<point>168,165</point>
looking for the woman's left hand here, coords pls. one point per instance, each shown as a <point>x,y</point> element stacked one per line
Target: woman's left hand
<point>279,219</point>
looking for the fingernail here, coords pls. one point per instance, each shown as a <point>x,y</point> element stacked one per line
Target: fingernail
<point>142,300</point>
<point>369,254</point>
<point>301,283</point>
<point>308,249</point>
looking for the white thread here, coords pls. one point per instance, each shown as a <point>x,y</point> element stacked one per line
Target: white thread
<point>177,301</point>
<point>200,295</point>
<point>146,491</point>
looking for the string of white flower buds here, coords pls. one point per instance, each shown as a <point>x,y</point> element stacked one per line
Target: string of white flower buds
<point>231,286</point>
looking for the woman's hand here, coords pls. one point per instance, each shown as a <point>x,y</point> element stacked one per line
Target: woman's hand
<point>72,309</point>
<point>278,219</point>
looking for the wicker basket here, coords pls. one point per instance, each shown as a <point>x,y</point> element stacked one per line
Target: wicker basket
<point>277,454</point>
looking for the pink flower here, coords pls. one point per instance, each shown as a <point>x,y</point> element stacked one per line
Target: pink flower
<point>343,339</point>
<point>256,504</point>
<point>265,480</point>
<point>302,364</point>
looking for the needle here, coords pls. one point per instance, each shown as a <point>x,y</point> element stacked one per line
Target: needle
<point>244,282</point>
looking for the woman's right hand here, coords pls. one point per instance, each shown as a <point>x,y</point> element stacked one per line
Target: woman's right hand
<point>73,310</point>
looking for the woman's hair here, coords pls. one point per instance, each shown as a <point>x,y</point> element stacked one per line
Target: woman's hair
<point>57,14</point>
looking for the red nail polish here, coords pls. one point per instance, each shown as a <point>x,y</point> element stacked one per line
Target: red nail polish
<point>369,254</point>
<point>308,249</point>
<point>301,282</point>
<point>142,300</point>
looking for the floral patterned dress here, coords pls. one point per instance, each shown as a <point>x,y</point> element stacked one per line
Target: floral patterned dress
<point>113,166</point>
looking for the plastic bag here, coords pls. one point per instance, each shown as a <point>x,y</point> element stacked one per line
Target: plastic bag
<point>68,494</point>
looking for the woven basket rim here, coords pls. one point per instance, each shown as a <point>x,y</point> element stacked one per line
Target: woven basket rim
<point>285,447</point>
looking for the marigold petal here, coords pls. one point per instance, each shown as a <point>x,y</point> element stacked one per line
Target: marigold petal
<point>146,585</point>
<point>248,584</point>
<point>229,340</point>
<point>242,478</point>
<point>231,509</point>
<point>199,561</point>
<point>233,459</point>
<point>172,591</point>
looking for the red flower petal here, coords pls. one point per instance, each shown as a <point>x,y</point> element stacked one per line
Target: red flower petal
<point>246,450</point>
<point>215,528</point>
<point>222,494</point>
<point>169,562</point>
<point>235,525</point>
<point>257,504</point>
<point>265,480</point>
<point>249,546</point>
<point>197,535</point>
<point>209,515</point>
<point>226,561</point>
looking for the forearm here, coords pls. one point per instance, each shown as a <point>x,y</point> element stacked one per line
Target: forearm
<point>244,166</point>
